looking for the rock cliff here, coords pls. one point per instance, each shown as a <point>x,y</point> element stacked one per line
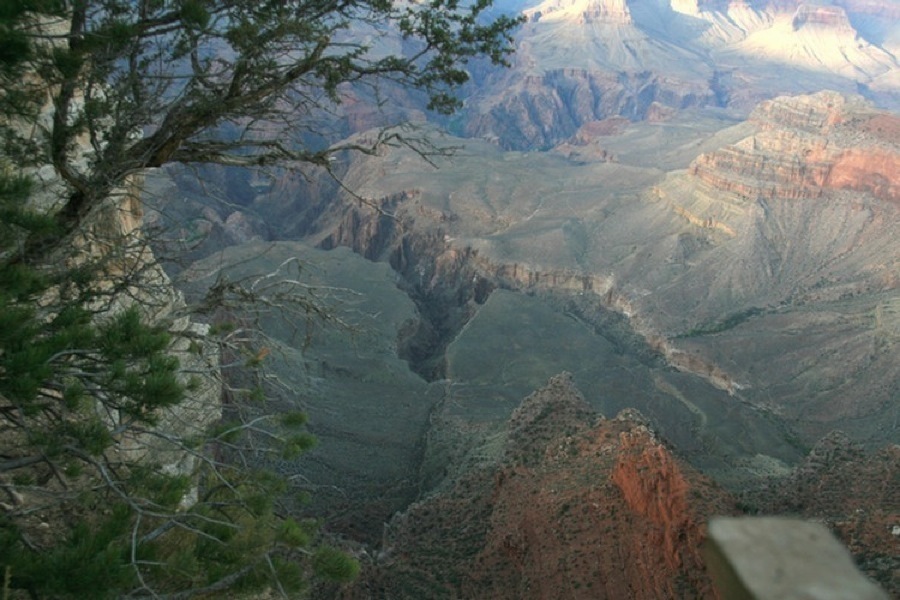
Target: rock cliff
<point>571,504</point>
<point>761,266</point>
<point>578,61</point>
<point>807,147</point>
<point>801,214</point>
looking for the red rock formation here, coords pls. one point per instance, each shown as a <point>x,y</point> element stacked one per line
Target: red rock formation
<point>752,171</point>
<point>577,507</point>
<point>806,147</point>
<point>654,487</point>
<point>876,171</point>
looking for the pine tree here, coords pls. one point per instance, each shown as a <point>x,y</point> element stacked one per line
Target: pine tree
<point>95,92</point>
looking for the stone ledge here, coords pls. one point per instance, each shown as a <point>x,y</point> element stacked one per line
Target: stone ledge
<point>777,558</point>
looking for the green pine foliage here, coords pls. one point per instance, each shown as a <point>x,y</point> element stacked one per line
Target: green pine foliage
<point>335,565</point>
<point>91,561</point>
<point>102,91</point>
<point>62,367</point>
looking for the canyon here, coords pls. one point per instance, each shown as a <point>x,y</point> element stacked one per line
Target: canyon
<point>580,62</point>
<point>469,283</point>
<point>750,223</point>
<point>655,218</point>
<point>646,277</point>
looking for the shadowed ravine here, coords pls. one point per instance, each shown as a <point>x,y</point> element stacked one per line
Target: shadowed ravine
<point>505,343</point>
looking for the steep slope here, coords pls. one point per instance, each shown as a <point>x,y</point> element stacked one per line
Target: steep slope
<point>571,504</point>
<point>826,148</point>
<point>805,212</point>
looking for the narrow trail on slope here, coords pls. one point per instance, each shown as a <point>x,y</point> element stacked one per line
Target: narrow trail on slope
<point>667,388</point>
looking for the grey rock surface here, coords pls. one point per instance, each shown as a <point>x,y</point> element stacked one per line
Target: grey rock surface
<point>774,558</point>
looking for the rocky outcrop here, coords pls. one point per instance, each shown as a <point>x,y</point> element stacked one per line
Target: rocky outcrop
<point>540,111</point>
<point>809,15</point>
<point>574,506</point>
<point>807,147</point>
<point>654,487</point>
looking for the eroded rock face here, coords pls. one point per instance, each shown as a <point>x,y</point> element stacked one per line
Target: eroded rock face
<point>539,111</point>
<point>806,147</point>
<point>578,61</point>
<point>808,15</point>
<point>782,296</point>
<point>576,506</point>
<point>779,241</point>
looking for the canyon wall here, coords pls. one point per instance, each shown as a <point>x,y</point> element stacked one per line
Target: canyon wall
<point>804,213</point>
<point>578,62</point>
<point>540,111</point>
<point>787,226</point>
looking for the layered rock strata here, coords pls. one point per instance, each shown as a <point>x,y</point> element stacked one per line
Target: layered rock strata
<point>826,147</point>
<point>578,61</point>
